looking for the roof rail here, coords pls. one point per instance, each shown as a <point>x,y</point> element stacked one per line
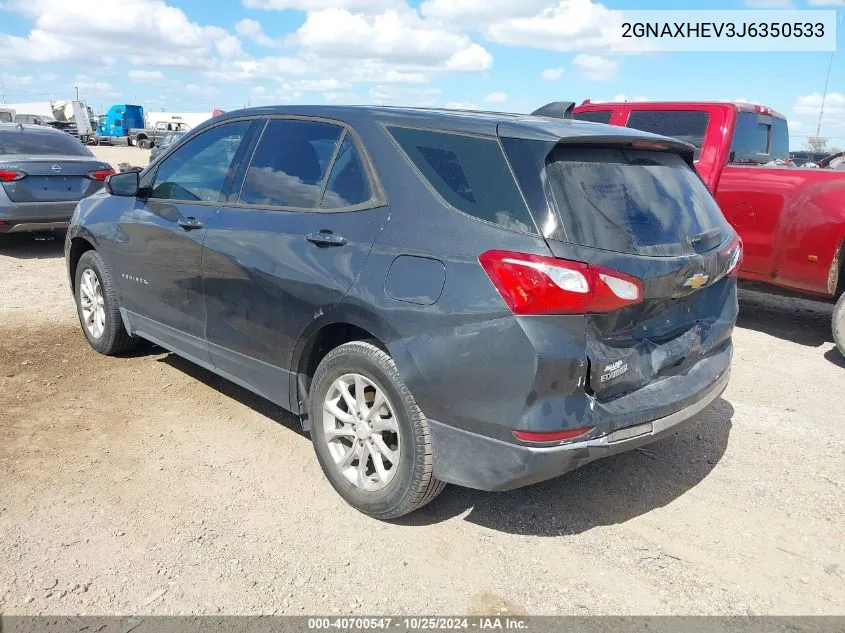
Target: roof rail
<point>556,110</point>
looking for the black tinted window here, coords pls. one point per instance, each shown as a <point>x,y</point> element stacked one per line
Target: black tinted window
<point>633,201</point>
<point>469,172</point>
<point>197,171</point>
<point>348,181</point>
<point>28,143</point>
<point>759,138</point>
<point>595,116</point>
<point>287,169</point>
<point>685,125</point>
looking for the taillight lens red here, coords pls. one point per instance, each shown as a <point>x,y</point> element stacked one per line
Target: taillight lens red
<point>8,175</point>
<point>552,436</point>
<point>736,258</point>
<point>101,174</point>
<point>534,284</point>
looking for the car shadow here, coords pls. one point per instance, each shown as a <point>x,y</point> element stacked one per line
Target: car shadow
<point>235,392</point>
<point>794,319</point>
<point>605,492</point>
<point>835,357</point>
<point>30,246</point>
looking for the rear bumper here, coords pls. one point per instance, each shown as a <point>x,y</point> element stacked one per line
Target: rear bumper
<point>35,216</point>
<point>484,463</point>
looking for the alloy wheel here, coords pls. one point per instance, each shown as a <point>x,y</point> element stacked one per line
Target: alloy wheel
<point>92,303</point>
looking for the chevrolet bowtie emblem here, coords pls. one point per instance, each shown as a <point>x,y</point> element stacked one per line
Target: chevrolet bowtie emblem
<point>697,281</point>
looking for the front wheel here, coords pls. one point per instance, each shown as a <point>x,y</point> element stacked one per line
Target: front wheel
<point>97,306</point>
<point>144,143</point>
<point>371,438</point>
<point>839,324</point>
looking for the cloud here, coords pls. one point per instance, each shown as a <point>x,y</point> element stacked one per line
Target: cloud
<point>622,98</point>
<point>769,4</point>
<point>404,95</point>
<point>400,37</point>
<point>472,13</point>
<point>251,30</point>
<point>146,75</point>
<point>148,31</point>
<point>320,5</point>
<point>569,26</point>
<point>834,108</point>
<point>552,74</point>
<point>18,80</point>
<point>496,97</point>
<point>596,68</point>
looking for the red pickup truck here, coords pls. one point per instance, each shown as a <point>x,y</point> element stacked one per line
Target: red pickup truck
<point>791,220</point>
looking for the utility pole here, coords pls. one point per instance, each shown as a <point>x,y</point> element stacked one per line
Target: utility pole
<point>77,92</point>
<point>824,94</point>
<point>2,91</point>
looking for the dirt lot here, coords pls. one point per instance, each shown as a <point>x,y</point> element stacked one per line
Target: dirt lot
<point>146,485</point>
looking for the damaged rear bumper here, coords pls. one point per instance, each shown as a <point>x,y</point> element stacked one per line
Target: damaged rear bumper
<point>484,463</point>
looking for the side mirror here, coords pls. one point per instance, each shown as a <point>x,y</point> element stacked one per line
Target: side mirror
<point>124,184</point>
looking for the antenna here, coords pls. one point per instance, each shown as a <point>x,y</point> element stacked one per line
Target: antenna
<point>824,94</point>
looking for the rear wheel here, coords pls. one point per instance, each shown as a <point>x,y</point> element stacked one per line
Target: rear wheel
<point>371,438</point>
<point>97,306</point>
<point>839,324</point>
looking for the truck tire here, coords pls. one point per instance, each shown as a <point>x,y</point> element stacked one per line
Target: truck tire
<point>394,432</point>
<point>839,324</point>
<point>144,143</point>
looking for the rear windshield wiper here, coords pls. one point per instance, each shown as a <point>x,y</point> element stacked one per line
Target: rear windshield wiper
<point>704,236</point>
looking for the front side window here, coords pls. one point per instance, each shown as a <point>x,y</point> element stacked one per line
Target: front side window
<point>290,164</point>
<point>197,171</point>
<point>686,125</point>
<point>469,172</point>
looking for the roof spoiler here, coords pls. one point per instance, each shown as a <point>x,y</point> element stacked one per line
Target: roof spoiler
<point>556,110</point>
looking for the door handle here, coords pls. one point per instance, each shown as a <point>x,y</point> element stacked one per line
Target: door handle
<point>189,224</point>
<point>326,238</point>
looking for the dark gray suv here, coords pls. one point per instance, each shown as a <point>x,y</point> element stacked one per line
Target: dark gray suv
<point>477,298</point>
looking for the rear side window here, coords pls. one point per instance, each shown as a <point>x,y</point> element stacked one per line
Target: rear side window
<point>290,163</point>
<point>759,138</point>
<point>28,143</point>
<point>347,184</point>
<point>594,116</point>
<point>633,201</point>
<point>469,172</point>
<point>686,125</point>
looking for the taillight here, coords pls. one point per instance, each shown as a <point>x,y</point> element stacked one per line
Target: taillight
<point>552,436</point>
<point>8,175</point>
<point>101,174</point>
<point>533,284</point>
<point>736,258</point>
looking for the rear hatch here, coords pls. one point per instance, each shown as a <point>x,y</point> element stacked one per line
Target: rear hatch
<point>638,208</point>
<point>53,179</point>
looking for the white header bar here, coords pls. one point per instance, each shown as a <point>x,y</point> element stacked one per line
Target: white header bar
<point>708,30</point>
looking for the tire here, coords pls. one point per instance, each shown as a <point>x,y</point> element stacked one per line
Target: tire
<point>112,338</point>
<point>144,143</point>
<point>411,483</point>
<point>839,324</point>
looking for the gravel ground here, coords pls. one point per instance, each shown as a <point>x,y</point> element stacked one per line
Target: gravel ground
<point>146,485</point>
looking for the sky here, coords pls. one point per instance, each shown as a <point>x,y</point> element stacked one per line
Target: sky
<point>509,55</point>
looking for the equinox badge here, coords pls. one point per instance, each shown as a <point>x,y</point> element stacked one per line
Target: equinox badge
<point>696,281</point>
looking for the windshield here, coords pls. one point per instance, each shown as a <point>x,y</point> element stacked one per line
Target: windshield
<point>28,143</point>
<point>633,201</point>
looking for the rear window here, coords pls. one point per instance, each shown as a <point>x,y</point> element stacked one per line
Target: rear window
<point>759,138</point>
<point>594,116</point>
<point>633,201</point>
<point>28,143</point>
<point>685,125</point>
<point>469,172</point>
